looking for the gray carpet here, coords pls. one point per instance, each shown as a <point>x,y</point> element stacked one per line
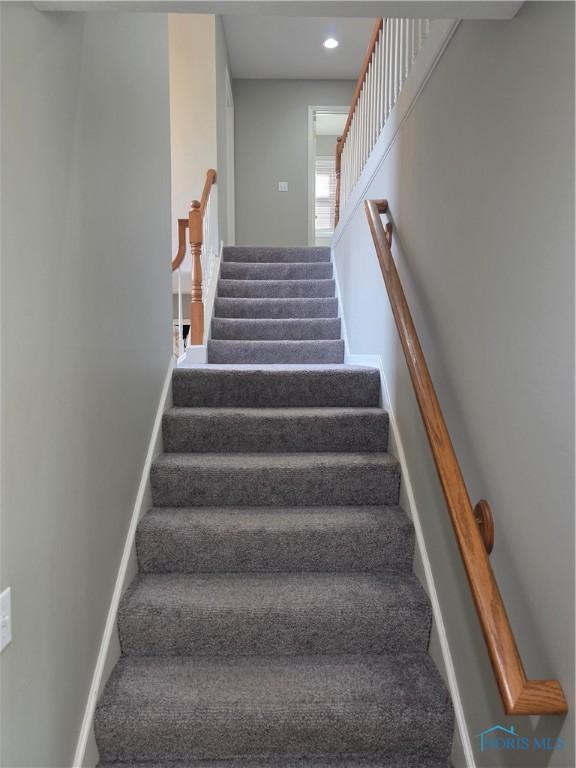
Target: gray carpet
<point>275,621</point>
<point>342,386</point>
<point>278,308</point>
<point>270,329</point>
<point>275,430</point>
<point>275,539</point>
<point>418,761</point>
<point>259,287</point>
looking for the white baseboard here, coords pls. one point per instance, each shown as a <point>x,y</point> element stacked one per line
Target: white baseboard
<point>376,362</point>
<point>343,331</point>
<point>107,654</point>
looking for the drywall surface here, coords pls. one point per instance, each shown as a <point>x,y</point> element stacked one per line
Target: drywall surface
<point>271,145</point>
<point>85,243</point>
<point>326,146</point>
<point>225,174</point>
<point>481,192</point>
<point>192,110</point>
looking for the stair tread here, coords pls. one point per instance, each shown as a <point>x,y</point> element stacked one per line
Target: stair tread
<point>282,412</point>
<point>275,613</point>
<point>176,708</point>
<point>262,592</point>
<point>369,761</point>
<point>276,460</point>
<point>277,307</point>
<point>261,539</point>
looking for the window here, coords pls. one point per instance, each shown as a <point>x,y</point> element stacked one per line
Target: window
<point>325,196</point>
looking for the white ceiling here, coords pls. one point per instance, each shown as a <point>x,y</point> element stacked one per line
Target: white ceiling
<point>291,47</point>
<point>431,9</point>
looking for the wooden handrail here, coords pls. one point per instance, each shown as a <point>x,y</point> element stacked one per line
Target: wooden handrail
<point>181,253</point>
<point>360,82</point>
<point>378,26</point>
<point>211,177</point>
<point>194,225</point>
<point>520,696</point>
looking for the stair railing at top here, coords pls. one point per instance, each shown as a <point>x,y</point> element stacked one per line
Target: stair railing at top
<point>198,224</point>
<point>393,47</point>
<point>473,527</point>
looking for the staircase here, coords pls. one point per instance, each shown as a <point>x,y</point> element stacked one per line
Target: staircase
<point>275,621</point>
<point>276,306</point>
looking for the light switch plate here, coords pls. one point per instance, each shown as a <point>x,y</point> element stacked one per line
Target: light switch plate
<point>282,186</point>
<point>5,619</point>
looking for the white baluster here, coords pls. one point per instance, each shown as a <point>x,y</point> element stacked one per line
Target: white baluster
<point>391,55</point>
<point>180,322</point>
<point>368,128</point>
<point>386,69</point>
<point>360,134</point>
<point>353,151</point>
<point>361,126</point>
<point>368,86</point>
<point>381,89</point>
<point>397,59</point>
<point>408,46</point>
<point>412,43</point>
<point>377,86</point>
<point>374,120</point>
<point>401,55</point>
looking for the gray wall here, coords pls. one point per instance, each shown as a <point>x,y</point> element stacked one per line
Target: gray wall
<point>481,190</point>
<point>271,145</point>
<point>225,174</point>
<point>85,149</point>
<point>326,145</point>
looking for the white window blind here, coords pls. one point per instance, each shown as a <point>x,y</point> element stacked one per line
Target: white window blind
<point>325,195</point>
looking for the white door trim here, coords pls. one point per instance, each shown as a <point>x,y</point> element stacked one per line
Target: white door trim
<point>312,110</point>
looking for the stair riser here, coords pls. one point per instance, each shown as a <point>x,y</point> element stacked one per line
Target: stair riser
<point>281,289</point>
<point>276,255</point>
<point>275,308</point>
<point>274,330</point>
<point>310,486</point>
<point>274,352</point>
<point>332,622</point>
<point>343,387</point>
<point>189,432</point>
<point>312,271</point>
<point>274,541</point>
<point>351,727</point>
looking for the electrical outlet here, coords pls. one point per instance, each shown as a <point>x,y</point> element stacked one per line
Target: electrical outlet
<point>5,619</point>
<point>282,186</point>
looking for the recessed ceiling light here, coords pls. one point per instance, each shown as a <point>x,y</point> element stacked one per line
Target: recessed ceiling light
<point>330,43</point>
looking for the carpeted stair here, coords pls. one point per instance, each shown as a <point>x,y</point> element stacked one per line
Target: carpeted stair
<point>276,306</point>
<point>275,621</point>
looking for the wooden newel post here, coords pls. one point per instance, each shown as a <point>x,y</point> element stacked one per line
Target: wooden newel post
<point>338,163</point>
<point>196,299</point>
